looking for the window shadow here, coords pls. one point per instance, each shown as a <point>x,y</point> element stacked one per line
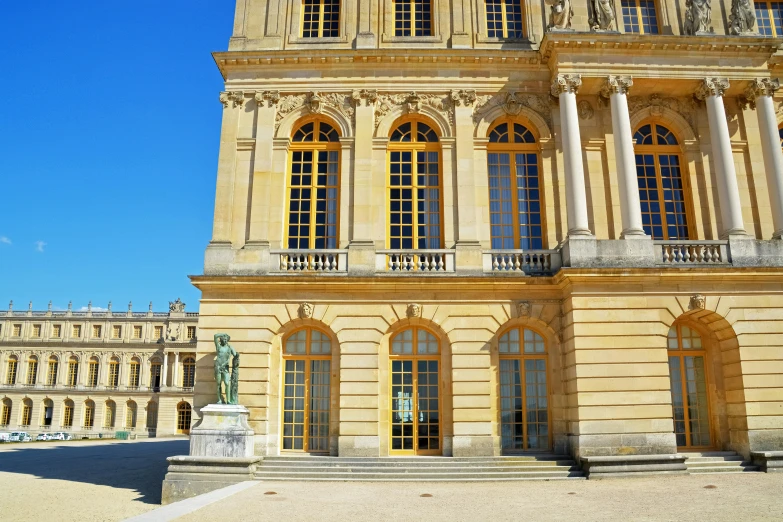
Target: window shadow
<point>137,466</point>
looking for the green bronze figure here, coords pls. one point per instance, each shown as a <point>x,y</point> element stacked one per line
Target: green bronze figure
<point>223,377</point>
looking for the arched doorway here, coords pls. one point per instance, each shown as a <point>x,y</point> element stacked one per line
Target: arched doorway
<point>415,409</point>
<point>183,417</point>
<point>689,384</point>
<point>68,409</point>
<point>307,358</point>
<point>110,415</point>
<point>525,418</point>
<point>47,412</point>
<point>130,415</point>
<point>5,417</point>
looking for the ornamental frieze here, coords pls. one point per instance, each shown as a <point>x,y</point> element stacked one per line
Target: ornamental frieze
<point>685,107</point>
<point>314,102</point>
<point>413,102</point>
<point>512,104</point>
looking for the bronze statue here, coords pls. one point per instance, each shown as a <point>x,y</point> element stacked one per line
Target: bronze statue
<point>222,374</point>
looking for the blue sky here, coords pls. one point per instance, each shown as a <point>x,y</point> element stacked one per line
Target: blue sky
<point>109,132</point>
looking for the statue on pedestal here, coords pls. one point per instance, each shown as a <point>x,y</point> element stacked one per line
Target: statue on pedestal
<point>742,19</point>
<point>698,16</point>
<point>603,18</point>
<point>560,15</point>
<point>223,376</point>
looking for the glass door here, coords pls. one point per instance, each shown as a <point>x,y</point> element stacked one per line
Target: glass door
<point>690,405</point>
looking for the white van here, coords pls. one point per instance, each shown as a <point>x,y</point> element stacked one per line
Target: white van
<point>5,437</point>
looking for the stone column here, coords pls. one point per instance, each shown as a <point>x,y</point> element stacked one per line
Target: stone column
<point>711,91</point>
<point>760,93</point>
<point>565,87</point>
<point>164,370</point>
<point>616,89</point>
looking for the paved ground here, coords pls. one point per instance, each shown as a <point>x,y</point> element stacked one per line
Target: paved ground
<point>749,496</point>
<point>83,480</point>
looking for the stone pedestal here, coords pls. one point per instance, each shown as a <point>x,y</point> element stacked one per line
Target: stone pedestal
<point>221,454</point>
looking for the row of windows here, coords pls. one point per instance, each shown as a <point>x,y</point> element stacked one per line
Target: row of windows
<point>88,420</point>
<point>93,367</point>
<point>414,190</point>
<point>97,331</point>
<point>504,18</point>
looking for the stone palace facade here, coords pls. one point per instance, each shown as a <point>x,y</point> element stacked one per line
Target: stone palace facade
<point>92,373</point>
<point>472,228</point>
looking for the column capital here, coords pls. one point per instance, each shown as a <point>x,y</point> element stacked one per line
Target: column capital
<point>267,98</point>
<point>616,85</point>
<point>566,83</point>
<point>364,97</point>
<point>712,87</point>
<point>761,87</point>
<point>237,98</point>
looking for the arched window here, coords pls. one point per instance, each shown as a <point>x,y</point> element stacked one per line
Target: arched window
<point>152,415</point>
<point>130,415</point>
<point>412,17</point>
<point>183,417</point>
<point>27,413</point>
<point>5,418</point>
<point>10,374</point>
<point>68,408</point>
<point>73,371</point>
<point>51,373</point>
<point>32,370</point>
<point>504,18</point>
<point>110,414</point>
<point>639,16</point>
<point>134,372</point>
<point>514,188</point>
<point>313,200</point>
<point>155,379</point>
<point>415,392</point>
<point>780,132</point>
<point>307,362</point>
<point>688,373</point>
<point>47,411</point>
<point>89,414</point>
<point>188,372</point>
<point>661,183</point>
<point>524,398</point>
<point>415,201</point>
<point>114,372</point>
<point>92,372</point>
<point>320,18</point>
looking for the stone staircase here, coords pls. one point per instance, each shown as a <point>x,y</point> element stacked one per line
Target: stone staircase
<point>717,462</point>
<point>419,469</point>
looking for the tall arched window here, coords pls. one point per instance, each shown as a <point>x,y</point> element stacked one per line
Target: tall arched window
<point>89,414</point>
<point>155,368</point>
<point>32,370</point>
<point>188,372</point>
<point>320,18</point>
<point>68,408</point>
<point>313,199</point>
<point>130,415</point>
<point>415,393</point>
<point>415,191</point>
<point>524,397</point>
<point>152,415</point>
<point>661,183</point>
<point>51,373</point>
<point>134,372</point>
<point>110,414</point>
<point>73,371</point>
<point>47,411</point>
<point>5,418</point>
<point>10,374</point>
<point>307,362</point>
<point>92,372</point>
<point>27,413</point>
<point>688,372</point>
<point>114,372</point>
<point>504,18</point>
<point>183,417</point>
<point>514,188</point>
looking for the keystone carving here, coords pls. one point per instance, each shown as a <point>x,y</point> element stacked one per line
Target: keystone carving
<point>698,302</point>
<point>566,83</point>
<point>364,97</point>
<point>463,97</point>
<point>412,103</point>
<point>234,98</point>
<point>413,310</point>
<point>512,104</point>
<point>306,311</point>
<point>712,87</point>
<point>524,309</point>
<point>684,107</point>
<point>315,102</point>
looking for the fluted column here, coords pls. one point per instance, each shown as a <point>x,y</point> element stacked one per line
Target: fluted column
<point>616,89</point>
<point>565,87</point>
<point>760,93</point>
<point>711,91</point>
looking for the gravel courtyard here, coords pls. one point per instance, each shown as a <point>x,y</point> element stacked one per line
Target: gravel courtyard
<point>83,480</point>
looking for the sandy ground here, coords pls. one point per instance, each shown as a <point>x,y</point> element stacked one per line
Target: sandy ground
<point>83,480</point>
<point>748,496</point>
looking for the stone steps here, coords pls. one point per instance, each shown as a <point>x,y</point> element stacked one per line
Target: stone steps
<point>427,469</point>
<point>710,462</point>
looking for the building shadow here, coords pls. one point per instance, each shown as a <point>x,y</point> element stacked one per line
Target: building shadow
<point>138,466</point>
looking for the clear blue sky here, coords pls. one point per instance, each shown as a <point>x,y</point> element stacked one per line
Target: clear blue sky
<point>109,133</point>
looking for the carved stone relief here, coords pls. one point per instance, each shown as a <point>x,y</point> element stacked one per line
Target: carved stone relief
<point>413,310</point>
<point>412,103</point>
<point>685,107</point>
<point>602,16</point>
<point>560,14</point>
<point>742,19</point>
<point>524,309</point>
<point>314,102</point>
<point>233,98</point>
<point>512,104</point>
<point>698,17</point>
<point>697,302</point>
<point>585,110</point>
<point>306,311</point>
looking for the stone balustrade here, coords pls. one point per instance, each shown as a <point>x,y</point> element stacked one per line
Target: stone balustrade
<point>530,262</point>
<point>680,253</point>
<point>423,261</point>
<point>310,260</point>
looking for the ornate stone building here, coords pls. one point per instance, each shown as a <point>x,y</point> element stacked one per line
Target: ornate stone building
<point>486,227</point>
<point>92,372</point>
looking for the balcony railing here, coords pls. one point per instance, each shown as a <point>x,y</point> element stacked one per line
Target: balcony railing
<point>531,262</point>
<point>334,261</point>
<point>422,261</point>
<point>687,253</point>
